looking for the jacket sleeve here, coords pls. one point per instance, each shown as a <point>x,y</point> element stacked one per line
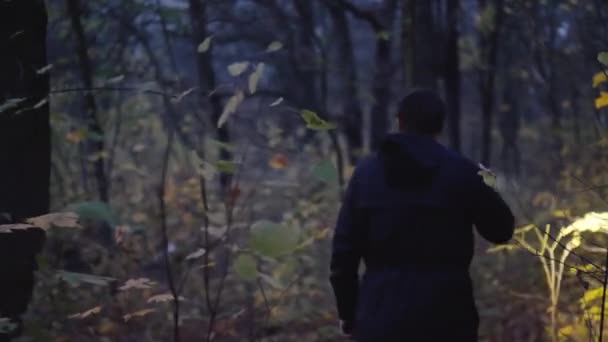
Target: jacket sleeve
<point>346,255</point>
<point>491,215</point>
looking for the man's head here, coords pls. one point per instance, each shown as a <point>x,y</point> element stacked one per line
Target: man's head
<point>422,111</point>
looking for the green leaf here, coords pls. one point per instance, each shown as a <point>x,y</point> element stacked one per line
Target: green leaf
<point>489,178</point>
<point>226,166</point>
<point>76,279</point>
<point>314,122</point>
<point>255,78</point>
<point>272,240</point>
<point>231,107</point>
<point>236,69</point>
<point>205,45</point>
<point>602,57</point>
<point>245,267</point>
<point>326,172</point>
<point>94,211</point>
<point>274,46</point>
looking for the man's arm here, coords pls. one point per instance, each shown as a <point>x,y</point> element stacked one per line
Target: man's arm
<point>346,255</point>
<point>491,215</point>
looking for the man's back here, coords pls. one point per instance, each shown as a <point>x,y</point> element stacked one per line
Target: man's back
<point>408,214</point>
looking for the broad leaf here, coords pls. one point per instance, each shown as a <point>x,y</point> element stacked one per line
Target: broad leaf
<point>236,69</point>
<point>245,267</point>
<point>602,57</point>
<point>314,122</point>
<point>94,211</point>
<point>273,240</point>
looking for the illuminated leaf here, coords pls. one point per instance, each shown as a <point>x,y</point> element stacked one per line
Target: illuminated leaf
<point>10,104</point>
<point>199,253</point>
<point>165,297</point>
<point>274,46</point>
<point>488,176</point>
<point>226,166</point>
<point>273,240</point>
<point>602,57</point>
<point>231,107</point>
<point>45,69</point>
<point>139,283</point>
<point>326,172</point>
<point>236,69</point>
<point>314,122</point>
<point>59,220</point>
<point>245,267</point>
<point>205,45</point>
<point>255,77</point>
<point>277,102</point>
<point>140,313</point>
<point>76,279</point>
<point>181,96</point>
<point>602,101</point>
<point>599,78</point>
<point>116,79</point>
<point>86,314</point>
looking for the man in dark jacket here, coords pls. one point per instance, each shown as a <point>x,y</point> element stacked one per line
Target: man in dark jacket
<point>408,214</point>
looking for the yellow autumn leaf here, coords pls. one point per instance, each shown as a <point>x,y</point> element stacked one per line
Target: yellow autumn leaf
<point>86,314</point>
<point>140,313</point>
<point>61,220</point>
<point>602,101</point>
<point>76,136</point>
<point>165,297</point>
<point>278,162</point>
<point>139,283</point>
<point>599,78</point>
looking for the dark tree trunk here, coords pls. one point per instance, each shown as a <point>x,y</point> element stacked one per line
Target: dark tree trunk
<point>383,76</point>
<point>206,78</point>
<point>424,47</point>
<point>95,141</point>
<point>452,73</point>
<point>489,56</point>
<point>24,148</point>
<point>351,108</point>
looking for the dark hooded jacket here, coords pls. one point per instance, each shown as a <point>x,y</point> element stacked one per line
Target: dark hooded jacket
<point>408,213</point>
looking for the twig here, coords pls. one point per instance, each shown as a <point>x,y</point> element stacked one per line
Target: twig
<point>165,237</point>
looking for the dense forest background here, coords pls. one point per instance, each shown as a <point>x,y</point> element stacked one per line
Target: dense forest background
<point>204,146</point>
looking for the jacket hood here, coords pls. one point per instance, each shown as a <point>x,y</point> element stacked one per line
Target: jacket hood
<point>410,160</point>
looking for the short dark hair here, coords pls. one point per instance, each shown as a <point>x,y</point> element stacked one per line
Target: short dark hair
<point>422,111</point>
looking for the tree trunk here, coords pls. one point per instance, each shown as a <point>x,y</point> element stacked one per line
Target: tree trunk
<point>452,74</point>
<point>95,138</point>
<point>487,74</point>
<point>24,149</point>
<point>381,88</point>
<point>351,107</point>
<point>206,79</point>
